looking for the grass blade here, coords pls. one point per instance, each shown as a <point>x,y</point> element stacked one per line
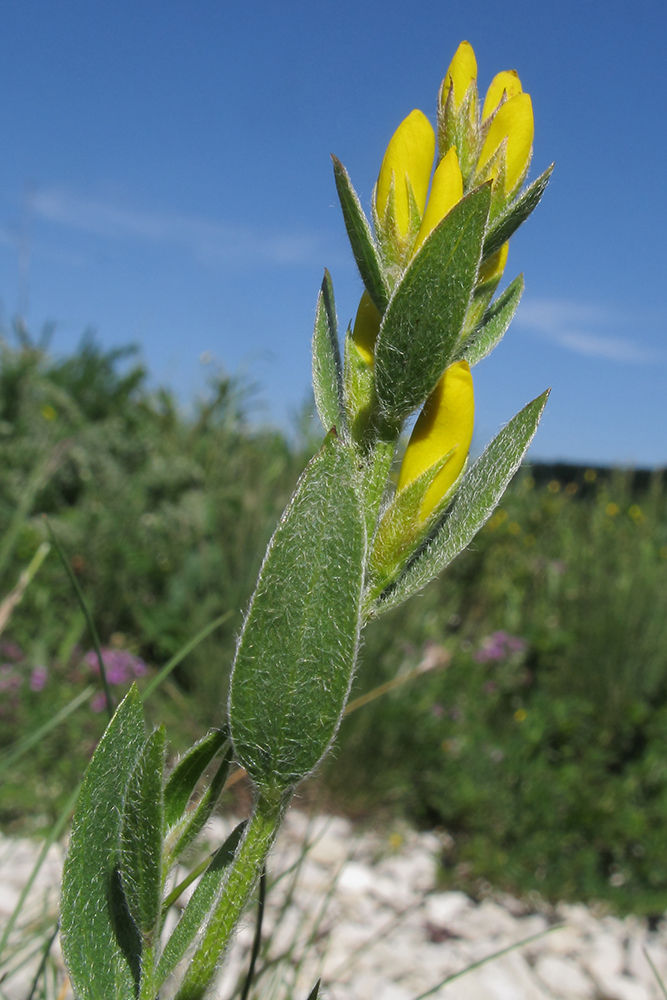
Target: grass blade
<point>483,961</point>
<point>89,620</point>
<point>663,988</point>
<point>54,833</point>
<point>29,741</point>
<point>182,653</point>
<point>14,597</point>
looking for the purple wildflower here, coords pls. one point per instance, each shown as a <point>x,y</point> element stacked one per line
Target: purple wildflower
<point>98,702</point>
<point>499,646</point>
<point>38,678</point>
<point>120,665</point>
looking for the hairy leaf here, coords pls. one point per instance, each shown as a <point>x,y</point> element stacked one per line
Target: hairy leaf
<point>182,781</point>
<point>507,223</point>
<point>141,837</point>
<point>192,823</point>
<point>99,939</point>
<point>424,319</point>
<point>493,325</point>
<point>360,237</point>
<point>327,370</point>
<point>298,647</point>
<point>199,906</point>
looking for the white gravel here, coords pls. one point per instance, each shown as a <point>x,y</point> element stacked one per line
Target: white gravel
<point>384,932</point>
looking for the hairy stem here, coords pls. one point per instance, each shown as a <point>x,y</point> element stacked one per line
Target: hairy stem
<point>243,875</point>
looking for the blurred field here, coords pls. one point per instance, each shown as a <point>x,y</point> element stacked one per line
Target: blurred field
<point>538,738</point>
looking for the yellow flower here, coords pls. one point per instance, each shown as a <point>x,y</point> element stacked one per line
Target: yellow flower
<point>407,162</point>
<point>444,425</point>
<point>446,190</point>
<point>506,82</point>
<point>366,327</point>
<point>513,124</point>
<point>461,73</point>
<point>494,266</point>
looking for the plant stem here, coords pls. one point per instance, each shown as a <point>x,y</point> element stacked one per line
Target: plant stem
<point>243,875</point>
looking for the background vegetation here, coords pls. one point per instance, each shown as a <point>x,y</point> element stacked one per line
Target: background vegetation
<point>537,734</point>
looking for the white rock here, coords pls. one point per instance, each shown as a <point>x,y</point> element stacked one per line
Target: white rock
<point>355,878</point>
<point>488,920</point>
<point>563,977</point>
<point>605,957</point>
<point>443,907</point>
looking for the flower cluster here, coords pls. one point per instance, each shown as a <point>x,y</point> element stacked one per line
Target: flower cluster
<point>500,646</point>
<point>425,174</point>
<point>120,665</point>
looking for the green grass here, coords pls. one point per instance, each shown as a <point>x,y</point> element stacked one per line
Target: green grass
<point>541,749</point>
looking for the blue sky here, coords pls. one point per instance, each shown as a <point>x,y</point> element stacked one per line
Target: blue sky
<point>176,162</point>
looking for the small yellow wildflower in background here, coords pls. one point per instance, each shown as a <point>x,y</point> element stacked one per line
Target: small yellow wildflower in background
<point>636,513</point>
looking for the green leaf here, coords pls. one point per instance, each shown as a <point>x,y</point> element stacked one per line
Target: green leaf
<point>183,834</point>
<point>327,370</point>
<point>360,237</point>
<point>199,906</point>
<point>100,966</point>
<point>398,533</point>
<point>505,224</point>
<point>479,493</point>
<point>493,325</point>
<point>424,319</point>
<point>141,837</point>
<point>315,992</point>
<point>297,651</point>
<point>182,781</point>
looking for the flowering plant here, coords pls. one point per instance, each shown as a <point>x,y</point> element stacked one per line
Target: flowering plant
<point>350,545</point>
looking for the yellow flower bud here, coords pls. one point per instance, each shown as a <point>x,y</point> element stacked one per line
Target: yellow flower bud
<point>408,161</point>
<point>366,327</point>
<point>507,82</point>
<point>445,424</point>
<point>514,123</point>
<point>494,266</point>
<point>446,191</point>
<point>461,73</point>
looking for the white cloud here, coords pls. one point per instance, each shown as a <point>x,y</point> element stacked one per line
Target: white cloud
<point>576,327</point>
<point>210,241</point>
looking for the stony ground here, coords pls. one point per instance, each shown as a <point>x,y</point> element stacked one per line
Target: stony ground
<point>363,911</point>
